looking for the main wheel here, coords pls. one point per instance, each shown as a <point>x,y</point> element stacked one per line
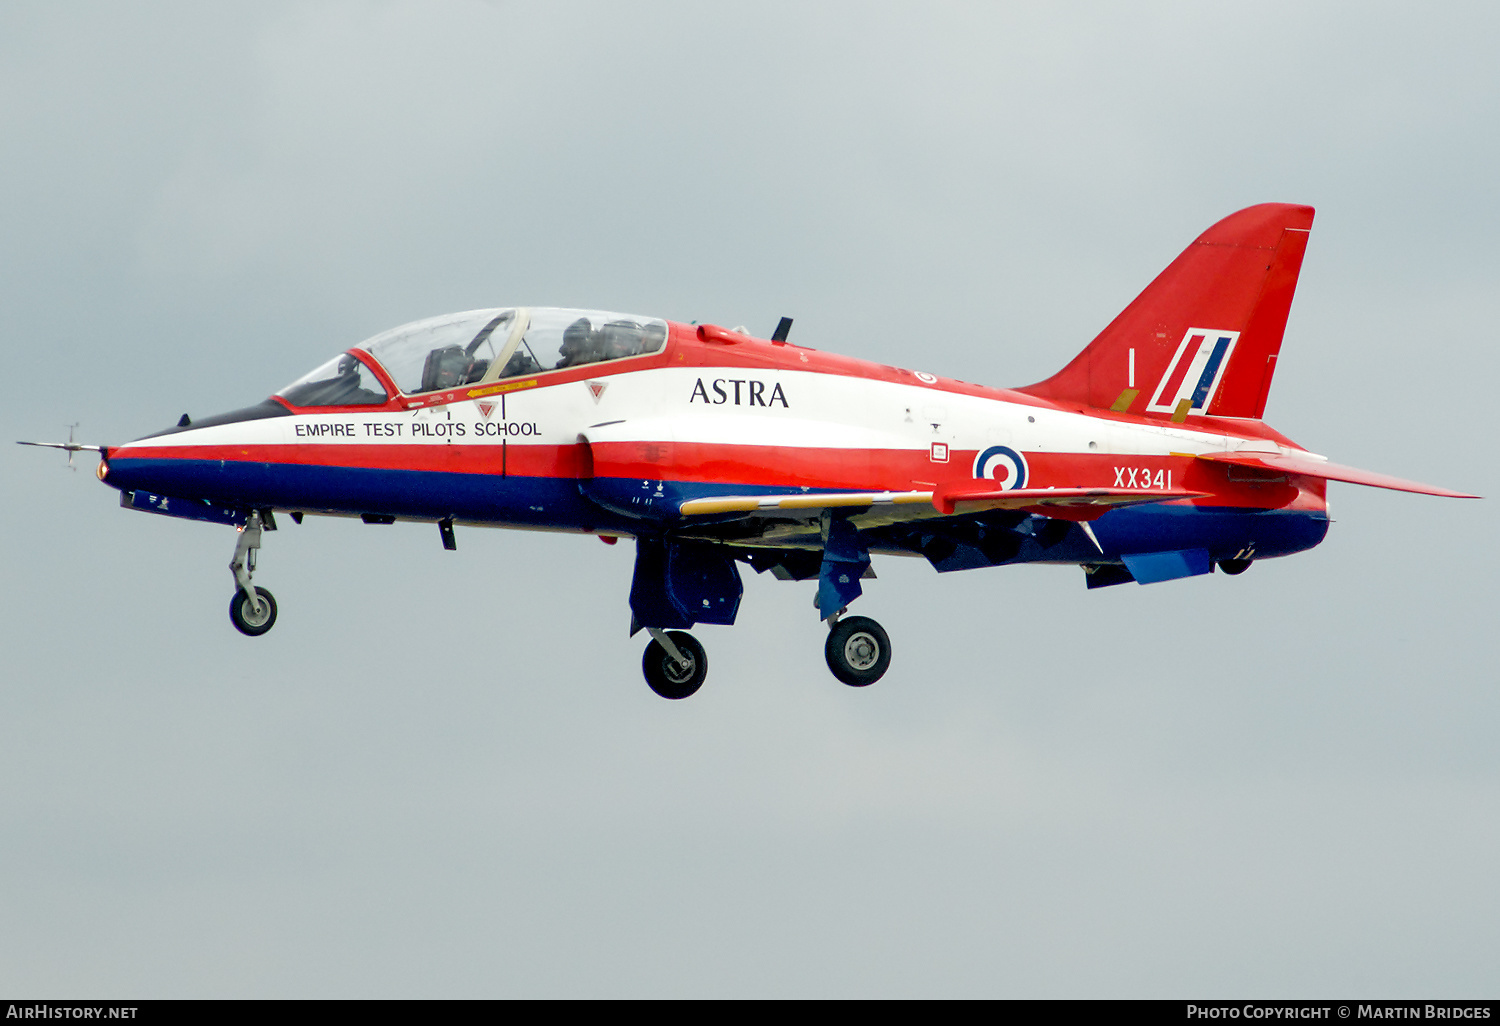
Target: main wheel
<point>245,617</point>
<point>858,651</point>
<point>669,678</point>
<point>1234,566</point>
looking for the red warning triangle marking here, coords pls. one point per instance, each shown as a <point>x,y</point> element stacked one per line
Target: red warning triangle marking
<point>596,388</point>
<point>486,408</point>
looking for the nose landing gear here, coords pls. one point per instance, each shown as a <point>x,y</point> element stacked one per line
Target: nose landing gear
<point>252,610</point>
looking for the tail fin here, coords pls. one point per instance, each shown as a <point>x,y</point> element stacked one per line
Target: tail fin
<point>1203,338</point>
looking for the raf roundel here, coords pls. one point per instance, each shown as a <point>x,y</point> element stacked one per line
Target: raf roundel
<point>1002,464</point>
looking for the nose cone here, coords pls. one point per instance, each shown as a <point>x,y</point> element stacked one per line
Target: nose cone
<point>260,411</point>
<point>195,459</point>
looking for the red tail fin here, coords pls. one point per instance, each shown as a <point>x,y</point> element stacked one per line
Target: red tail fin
<point>1204,336</point>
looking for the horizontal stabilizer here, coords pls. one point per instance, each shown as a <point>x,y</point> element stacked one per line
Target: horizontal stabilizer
<point>1311,466</point>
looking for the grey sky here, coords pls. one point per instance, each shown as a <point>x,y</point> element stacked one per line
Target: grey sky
<point>441,775</point>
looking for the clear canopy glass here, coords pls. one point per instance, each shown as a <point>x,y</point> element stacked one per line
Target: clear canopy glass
<point>441,352</point>
<point>342,381</point>
<point>555,339</point>
<point>488,345</point>
<point>474,347</point>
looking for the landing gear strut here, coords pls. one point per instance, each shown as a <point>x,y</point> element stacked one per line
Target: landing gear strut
<point>858,650</point>
<point>252,610</point>
<point>675,664</point>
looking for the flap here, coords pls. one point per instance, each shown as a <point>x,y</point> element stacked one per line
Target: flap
<point>1065,503</point>
<point>967,497</point>
<point>802,501</point>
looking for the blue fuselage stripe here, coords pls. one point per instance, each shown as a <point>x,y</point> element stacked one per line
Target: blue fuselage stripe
<point>561,504</point>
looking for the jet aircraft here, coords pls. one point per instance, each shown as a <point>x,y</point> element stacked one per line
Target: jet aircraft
<point>1144,460</point>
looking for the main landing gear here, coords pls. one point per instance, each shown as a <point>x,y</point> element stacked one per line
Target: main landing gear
<point>252,610</point>
<point>675,665</point>
<point>858,650</point>
<point>679,583</point>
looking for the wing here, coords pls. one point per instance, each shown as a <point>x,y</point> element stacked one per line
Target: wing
<point>794,513</point>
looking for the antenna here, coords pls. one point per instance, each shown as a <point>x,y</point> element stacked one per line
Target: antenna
<point>70,446</point>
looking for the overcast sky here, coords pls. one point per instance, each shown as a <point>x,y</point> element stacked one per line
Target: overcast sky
<point>442,775</point>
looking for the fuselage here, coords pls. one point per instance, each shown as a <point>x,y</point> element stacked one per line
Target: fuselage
<point>1144,459</point>
<point>615,445</point>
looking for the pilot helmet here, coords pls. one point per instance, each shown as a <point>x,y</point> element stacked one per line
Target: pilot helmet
<point>576,337</point>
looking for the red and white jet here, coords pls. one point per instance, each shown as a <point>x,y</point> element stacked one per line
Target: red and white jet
<point>1144,459</point>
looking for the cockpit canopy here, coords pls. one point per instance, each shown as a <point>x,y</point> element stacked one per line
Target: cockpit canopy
<point>476,347</point>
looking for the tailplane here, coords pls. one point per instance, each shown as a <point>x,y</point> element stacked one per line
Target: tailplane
<point>1203,338</point>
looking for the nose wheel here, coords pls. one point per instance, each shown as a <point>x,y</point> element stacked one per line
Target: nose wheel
<point>253,617</point>
<point>858,651</point>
